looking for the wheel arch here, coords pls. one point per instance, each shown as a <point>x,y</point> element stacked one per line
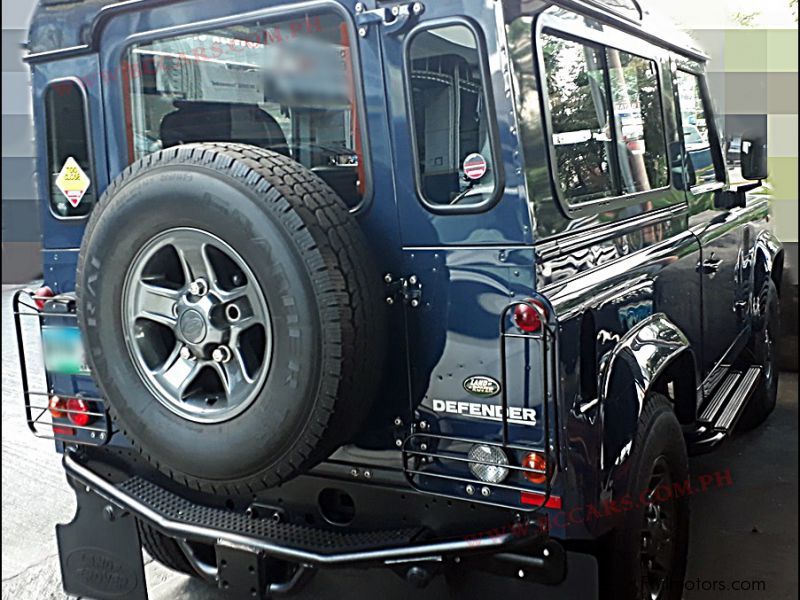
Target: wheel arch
<point>769,257</point>
<point>646,359</point>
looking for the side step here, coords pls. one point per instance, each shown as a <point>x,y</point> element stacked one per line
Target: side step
<point>720,414</point>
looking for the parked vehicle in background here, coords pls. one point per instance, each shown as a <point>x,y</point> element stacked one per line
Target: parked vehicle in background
<point>420,286</point>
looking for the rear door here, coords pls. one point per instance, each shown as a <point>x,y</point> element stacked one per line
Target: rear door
<point>465,231</point>
<point>721,231</point>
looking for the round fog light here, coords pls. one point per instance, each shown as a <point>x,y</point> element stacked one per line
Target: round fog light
<point>490,473</point>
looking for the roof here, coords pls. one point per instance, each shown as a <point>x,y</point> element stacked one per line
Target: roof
<point>71,26</point>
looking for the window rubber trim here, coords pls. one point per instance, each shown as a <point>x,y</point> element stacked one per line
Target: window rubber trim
<point>595,206</point>
<point>274,12</point>
<point>492,128</point>
<point>89,145</point>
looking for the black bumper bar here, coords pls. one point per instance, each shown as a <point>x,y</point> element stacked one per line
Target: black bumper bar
<point>184,520</point>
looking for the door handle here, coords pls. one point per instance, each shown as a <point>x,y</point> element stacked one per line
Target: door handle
<point>710,265</point>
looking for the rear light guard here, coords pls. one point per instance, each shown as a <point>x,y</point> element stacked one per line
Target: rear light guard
<point>443,465</point>
<point>65,409</point>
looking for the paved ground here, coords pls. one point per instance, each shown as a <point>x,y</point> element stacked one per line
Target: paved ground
<point>746,531</point>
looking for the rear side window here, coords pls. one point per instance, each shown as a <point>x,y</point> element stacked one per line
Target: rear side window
<point>455,161</point>
<point>696,132</point>
<point>580,118</point>
<point>68,138</point>
<point>639,122</point>
<point>606,119</point>
<point>283,85</point>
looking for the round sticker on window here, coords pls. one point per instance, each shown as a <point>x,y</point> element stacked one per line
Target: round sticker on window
<point>474,166</point>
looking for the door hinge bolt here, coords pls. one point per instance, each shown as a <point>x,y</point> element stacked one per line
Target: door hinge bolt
<point>362,31</point>
<point>470,490</point>
<point>389,300</point>
<point>415,303</point>
<point>388,278</point>
<point>412,280</point>
<point>398,421</point>
<point>398,443</point>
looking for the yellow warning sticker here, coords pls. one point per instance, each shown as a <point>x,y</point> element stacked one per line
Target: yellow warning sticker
<point>73,182</point>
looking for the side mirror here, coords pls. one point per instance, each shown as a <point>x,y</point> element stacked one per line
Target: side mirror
<point>754,160</point>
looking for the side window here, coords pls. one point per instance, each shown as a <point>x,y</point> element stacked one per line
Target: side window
<point>696,133</point>
<point>579,117</point>
<point>68,138</point>
<point>606,119</point>
<point>283,85</point>
<point>639,122</point>
<point>451,131</point>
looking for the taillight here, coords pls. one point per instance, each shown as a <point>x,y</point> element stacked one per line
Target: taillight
<point>42,295</point>
<point>78,412</point>
<point>535,460</point>
<point>527,318</point>
<point>56,406</point>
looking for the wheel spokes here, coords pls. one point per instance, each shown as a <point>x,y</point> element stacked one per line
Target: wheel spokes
<point>156,303</point>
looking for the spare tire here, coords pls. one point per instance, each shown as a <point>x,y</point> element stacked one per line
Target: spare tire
<point>232,315</point>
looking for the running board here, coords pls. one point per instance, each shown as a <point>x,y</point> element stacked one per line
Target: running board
<point>720,414</point>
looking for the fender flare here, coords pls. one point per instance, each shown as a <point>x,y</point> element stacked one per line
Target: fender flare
<point>627,374</point>
<point>768,252</point>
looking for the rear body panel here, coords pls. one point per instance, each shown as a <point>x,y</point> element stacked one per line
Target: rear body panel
<point>626,287</point>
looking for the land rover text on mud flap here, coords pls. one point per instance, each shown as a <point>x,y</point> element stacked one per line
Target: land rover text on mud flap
<point>374,284</point>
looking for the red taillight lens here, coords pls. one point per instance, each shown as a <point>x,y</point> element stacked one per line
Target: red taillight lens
<point>56,406</point>
<point>78,412</point>
<point>527,318</point>
<point>41,296</point>
<point>535,460</point>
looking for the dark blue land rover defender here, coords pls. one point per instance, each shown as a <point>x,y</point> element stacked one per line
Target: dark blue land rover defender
<point>432,286</point>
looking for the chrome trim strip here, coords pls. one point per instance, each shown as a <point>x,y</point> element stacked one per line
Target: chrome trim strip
<point>583,238</point>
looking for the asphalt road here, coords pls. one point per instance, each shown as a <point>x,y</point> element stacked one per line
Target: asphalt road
<point>745,531</point>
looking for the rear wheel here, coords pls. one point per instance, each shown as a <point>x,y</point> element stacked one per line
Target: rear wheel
<point>766,322</point>
<point>646,558</point>
<point>163,549</point>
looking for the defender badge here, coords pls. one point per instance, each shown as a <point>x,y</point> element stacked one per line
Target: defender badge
<point>482,385</point>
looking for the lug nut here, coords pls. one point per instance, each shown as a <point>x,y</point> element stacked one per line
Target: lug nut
<point>199,287</point>
<point>221,354</point>
<point>186,354</point>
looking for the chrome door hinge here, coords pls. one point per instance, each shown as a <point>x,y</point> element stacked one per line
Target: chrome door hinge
<point>393,18</point>
<point>408,290</point>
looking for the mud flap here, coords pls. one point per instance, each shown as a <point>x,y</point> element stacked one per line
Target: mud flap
<point>100,551</point>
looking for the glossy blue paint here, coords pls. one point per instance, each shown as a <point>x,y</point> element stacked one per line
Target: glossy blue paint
<point>624,285</point>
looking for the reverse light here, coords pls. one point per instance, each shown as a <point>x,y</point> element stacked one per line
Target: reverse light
<point>42,295</point>
<point>78,412</point>
<point>527,318</point>
<point>490,473</point>
<point>56,406</point>
<point>535,460</point>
